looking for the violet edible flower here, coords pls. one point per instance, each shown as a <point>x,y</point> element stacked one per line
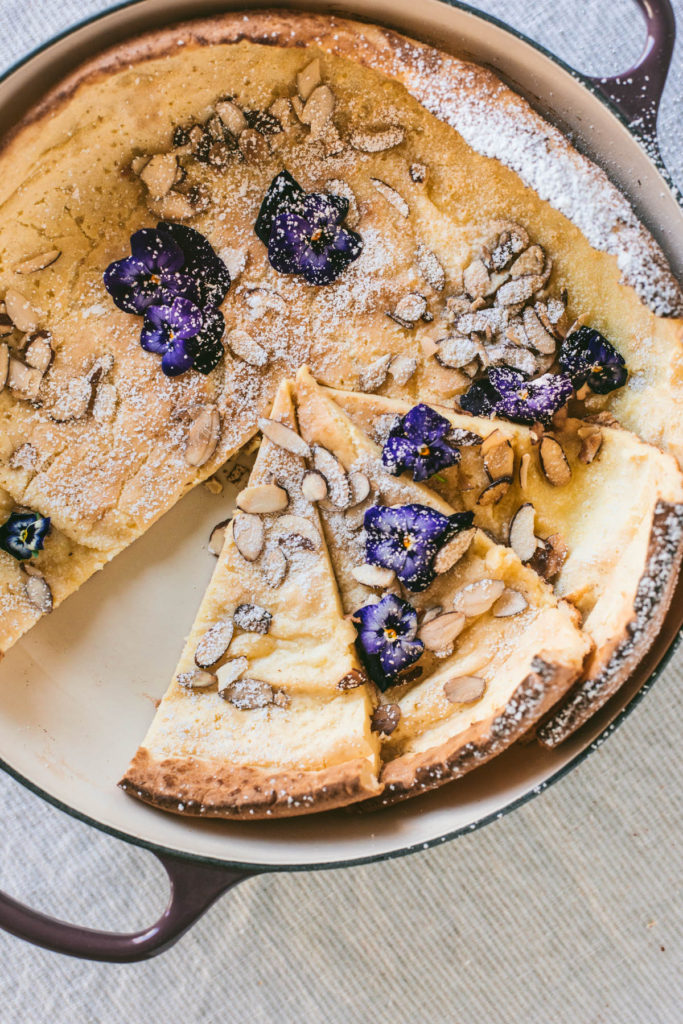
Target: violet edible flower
<point>387,638</point>
<point>406,538</point>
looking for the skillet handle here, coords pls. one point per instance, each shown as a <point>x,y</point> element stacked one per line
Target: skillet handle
<point>194,888</point>
<point>636,93</point>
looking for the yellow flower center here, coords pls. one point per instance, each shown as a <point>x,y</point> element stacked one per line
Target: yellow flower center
<point>317,235</point>
<point>390,633</point>
<point>423,450</point>
<point>407,542</point>
<point>155,278</point>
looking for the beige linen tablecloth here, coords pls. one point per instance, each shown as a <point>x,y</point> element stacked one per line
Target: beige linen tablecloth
<point>567,911</point>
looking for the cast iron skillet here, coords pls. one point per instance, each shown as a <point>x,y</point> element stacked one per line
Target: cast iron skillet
<point>633,98</point>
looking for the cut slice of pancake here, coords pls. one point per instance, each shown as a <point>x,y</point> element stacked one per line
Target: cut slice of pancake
<point>291,733</point>
<point>618,520</point>
<point>469,698</point>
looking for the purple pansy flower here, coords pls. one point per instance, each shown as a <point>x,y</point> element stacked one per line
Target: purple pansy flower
<point>206,347</point>
<point>406,538</point>
<point>202,263</point>
<point>175,279</point>
<point>166,331</point>
<point>23,534</point>
<point>590,359</point>
<point>508,393</point>
<point>304,232</point>
<point>419,443</point>
<point>387,638</point>
<point>480,399</point>
<point>150,275</point>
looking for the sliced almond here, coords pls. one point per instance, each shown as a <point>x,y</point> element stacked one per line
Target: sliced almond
<point>38,592</point>
<point>314,486</point>
<point>549,557</point>
<point>379,141</point>
<point>104,406</point>
<point>495,491</point>
<point>338,487</point>
<point>464,689</point>
<point>252,618</point>
<point>38,262</point>
<point>554,462</point>
<point>214,644</point>
<point>73,402</point>
<point>159,174</point>
<point>508,243</point>
<point>20,311</point>
<point>541,339</point>
<point>456,351</point>
<point>196,679</point>
<point>438,634</point>
<point>499,460</point>
<point>453,551</point>
<point>297,106</point>
<point>510,602</point>
<point>249,535</point>
<point>261,499</point>
<point>531,261</point>
<point>318,109</point>
<point>307,79</point>
<point>4,364</point>
<point>410,308</point>
<point>522,536</point>
<point>274,566</point>
<point>385,718</point>
<point>24,381</point>
<point>232,117</point>
<point>297,532</point>
<point>360,487</point>
<point>230,672</point>
<point>524,470</point>
<point>430,268</point>
<point>248,694</point>
<point>217,537</point>
<point>38,352</point>
<point>476,279</point>
<point>431,613</point>
<point>203,436</point>
<point>352,680</point>
<point>24,457</point>
<point>476,598</point>
<point>284,437</point>
<point>402,368</point>
<point>244,347</point>
<point>392,196</point>
<point>518,290</point>
<point>373,575</point>
<point>492,440</point>
<point>590,446</point>
<point>254,146</point>
<point>374,374</point>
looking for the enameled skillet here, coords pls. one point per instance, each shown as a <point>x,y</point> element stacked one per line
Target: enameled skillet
<point>67,662</point>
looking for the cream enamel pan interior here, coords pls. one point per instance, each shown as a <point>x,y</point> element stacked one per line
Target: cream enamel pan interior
<point>78,691</point>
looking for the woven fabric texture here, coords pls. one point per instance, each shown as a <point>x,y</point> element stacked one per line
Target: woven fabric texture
<point>567,911</point>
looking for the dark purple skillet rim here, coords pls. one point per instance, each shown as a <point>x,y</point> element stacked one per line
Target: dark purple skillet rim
<point>652,153</point>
